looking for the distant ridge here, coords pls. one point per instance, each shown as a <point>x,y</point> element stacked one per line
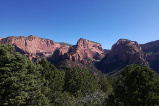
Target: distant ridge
<point>89,53</point>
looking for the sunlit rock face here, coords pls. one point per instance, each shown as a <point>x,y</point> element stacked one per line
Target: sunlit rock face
<point>85,49</point>
<point>123,53</point>
<point>36,47</point>
<point>32,44</point>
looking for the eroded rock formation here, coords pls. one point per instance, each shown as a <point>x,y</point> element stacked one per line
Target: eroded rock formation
<point>152,51</point>
<point>32,44</point>
<point>123,53</point>
<point>86,49</point>
<point>151,47</point>
<point>83,51</point>
<point>36,47</point>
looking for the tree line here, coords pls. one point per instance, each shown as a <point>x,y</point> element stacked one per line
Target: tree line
<point>25,83</point>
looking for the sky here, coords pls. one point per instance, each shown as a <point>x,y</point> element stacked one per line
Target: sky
<point>102,21</point>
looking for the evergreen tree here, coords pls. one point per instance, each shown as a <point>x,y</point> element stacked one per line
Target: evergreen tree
<point>105,85</point>
<point>54,79</point>
<point>20,82</point>
<point>80,82</point>
<point>137,86</point>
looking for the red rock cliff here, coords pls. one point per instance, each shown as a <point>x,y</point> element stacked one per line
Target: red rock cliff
<point>32,44</point>
<point>151,47</point>
<point>123,53</point>
<point>127,51</point>
<point>86,49</point>
<point>152,51</point>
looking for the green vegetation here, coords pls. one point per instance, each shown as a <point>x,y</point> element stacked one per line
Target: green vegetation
<point>80,82</point>
<point>20,82</point>
<point>24,83</point>
<point>137,86</point>
<point>63,43</point>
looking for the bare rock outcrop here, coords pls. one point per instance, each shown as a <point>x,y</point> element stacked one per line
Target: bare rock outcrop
<point>151,47</point>
<point>85,49</point>
<point>32,44</point>
<point>36,47</point>
<point>59,54</point>
<point>153,62</point>
<point>123,53</point>
<point>152,51</point>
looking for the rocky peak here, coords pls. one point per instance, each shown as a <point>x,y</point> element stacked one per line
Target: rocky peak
<point>151,47</point>
<point>124,52</point>
<point>32,37</point>
<point>125,44</point>
<point>83,51</point>
<point>93,46</point>
<point>88,49</point>
<point>152,51</point>
<point>129,51</point>
<point>32,44</point>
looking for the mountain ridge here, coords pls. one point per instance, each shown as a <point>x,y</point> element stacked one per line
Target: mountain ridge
<point>124,52</point>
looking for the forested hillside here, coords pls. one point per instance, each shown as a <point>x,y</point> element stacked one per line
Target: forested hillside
<point>24,83</point>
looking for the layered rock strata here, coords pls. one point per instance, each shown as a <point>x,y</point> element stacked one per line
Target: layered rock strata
<point>32,44</point>
<point>36,47</point>
<point>152,51</point>
<point>123,53</point>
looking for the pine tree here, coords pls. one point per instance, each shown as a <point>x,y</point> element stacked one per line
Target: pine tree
<point>20,82</point>
<point>137,86</point>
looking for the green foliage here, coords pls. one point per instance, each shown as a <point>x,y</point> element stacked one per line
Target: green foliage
<point>54,76</point>
<point>105,85</point>
<point>63,43</point>
<point>23,82</point>
<point>137,86</point>
<point>19,80</point>
<point>64,99</point>
<point>54,79</point>
<point>80,82</point>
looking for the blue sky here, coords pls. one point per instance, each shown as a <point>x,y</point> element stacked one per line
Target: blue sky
<point>102,21</point>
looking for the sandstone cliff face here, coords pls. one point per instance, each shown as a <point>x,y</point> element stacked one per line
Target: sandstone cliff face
<point>59,54</point>
<point>153,61</point>
<point>124,52</point>
<point>151,47</point>
<point>152,51</point>
<point>31,44</point>
<point>36,47</point>
<point>85,49</point>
